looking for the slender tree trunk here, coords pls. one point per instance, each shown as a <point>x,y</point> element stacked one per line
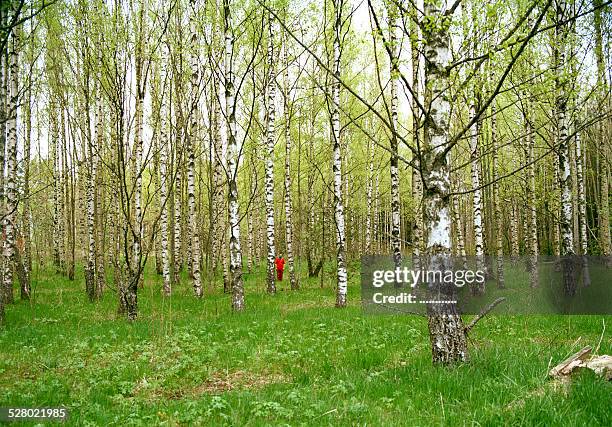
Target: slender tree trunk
<point>11,172</point>
<point>269,162</point>
<point>138,146</point>
<point>99,201</point>
<point>57,186</point>
<point>341,289</point>
<point>370,184</point>
<point>418,68</point>
<point>232,164</point>
<point>603,142</point>
<point>477,289</point>
<point>176,191</point>
<point>4,114</point>
<point>532,214</point>
<point>90,269</point>
<point>156,94</point>
<point>514,236</point>
<point>288,204</point>
<point>499,236</point>
<point>565,179</point>
<point>163,171</point>
<point>394,169</point>
<point>194,235</point>
<point>26,218</point>
<point>582,220</point>
<point>459,240</point>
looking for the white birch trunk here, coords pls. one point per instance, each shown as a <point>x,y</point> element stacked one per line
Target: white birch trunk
<point>11,171</point>
<point>532,215</point>
<point>269,163</point>
<point>394,169</point>
<point>368,219</point>
<point>232,156</point>
<point>566,218</point>
<point>90,270</point>
<point>164,178</point>
<point>194,235</point>
<point>499,248</point>
<point>446,330</point>
<point>341,290</point>
<point>582,219</point>
<point>99,198</point>
<point>288,204</point>
<point>138,146</point>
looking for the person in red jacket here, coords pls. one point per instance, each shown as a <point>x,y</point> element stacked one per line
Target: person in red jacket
<point>280,266</point>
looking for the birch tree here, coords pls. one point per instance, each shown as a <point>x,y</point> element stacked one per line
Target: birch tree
<point>446,330</point>
<point>602,135</point>
<point>232,165</point>
<point>565,180</point>
<point>269,160</point>
<point>164,178</point>
<point>288,203</point>
<point>194,235</point>
<point>11,170</point>
<point>341,289</point>
<point>477,289</point>
<point>138,138</point>
<point>394,170</point>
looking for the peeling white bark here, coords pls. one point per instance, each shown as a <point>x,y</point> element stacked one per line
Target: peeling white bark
<point>447,334</point>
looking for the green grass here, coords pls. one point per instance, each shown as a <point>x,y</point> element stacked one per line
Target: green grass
<point>289,359</point>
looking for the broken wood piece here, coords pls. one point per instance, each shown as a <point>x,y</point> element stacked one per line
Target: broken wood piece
<point>601,365</point>
<point>561,368</point>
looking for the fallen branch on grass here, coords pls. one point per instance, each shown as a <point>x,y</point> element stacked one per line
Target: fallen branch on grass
<point>601,365</point>
<point>483,313</point>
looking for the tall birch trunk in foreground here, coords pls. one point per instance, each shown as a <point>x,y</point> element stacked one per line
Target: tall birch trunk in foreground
<point>446,330</point>
<point>232,166</point>
<point>194,235</point>
<point>270,140</point>
<point>341,289</point>
<point>288,204</point>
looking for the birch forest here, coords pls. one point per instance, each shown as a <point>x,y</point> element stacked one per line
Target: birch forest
<point>161,156</point>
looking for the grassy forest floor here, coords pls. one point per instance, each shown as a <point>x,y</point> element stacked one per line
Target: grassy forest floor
<point>289,359</point>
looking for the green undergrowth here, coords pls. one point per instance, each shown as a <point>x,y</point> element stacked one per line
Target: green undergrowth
<point>289,359</point>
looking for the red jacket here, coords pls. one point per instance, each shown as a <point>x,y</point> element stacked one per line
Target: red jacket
<point>280,263</point>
